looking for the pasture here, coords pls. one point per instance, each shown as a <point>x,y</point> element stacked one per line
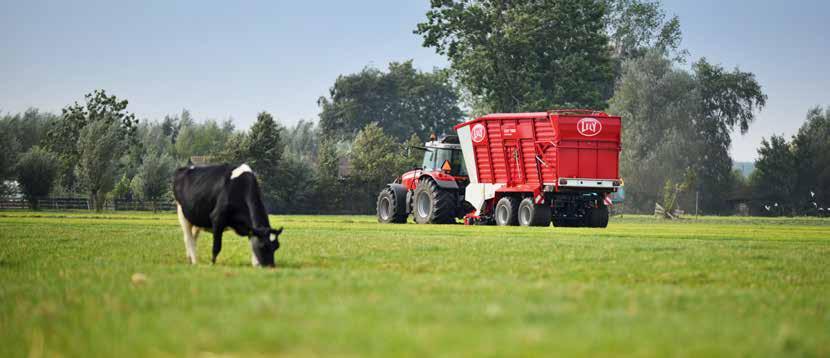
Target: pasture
<point>345,285</point>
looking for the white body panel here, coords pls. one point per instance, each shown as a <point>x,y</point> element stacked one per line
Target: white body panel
<point>464,137</point>
<point>477,193</point>
<point>587,183</point>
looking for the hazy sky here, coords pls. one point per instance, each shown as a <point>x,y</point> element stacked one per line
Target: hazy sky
<point>222,59</point>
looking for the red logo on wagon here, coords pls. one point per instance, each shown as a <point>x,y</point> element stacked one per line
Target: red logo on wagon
<point>588,126</point>
<point>479,132</point>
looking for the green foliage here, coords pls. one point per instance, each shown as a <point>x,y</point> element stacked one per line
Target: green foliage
<point>64,135</point>
<point>100,144</point>
<point>235,149</point>
<point>203,139</point>
<point>812,159</point>
<point>376,159</point>
<point>263,153</point>
<point>525,55</point>
<point>297,186</point>
<point>28,128</point>
<point>99,107</point>
<point>347,286</point>
<point>678,122</point>
<point>36,171</point>
<point>154,177</point>
<point>796,174</point>
<point>775,172</point>
<point>9,149</point>
<point>330,194</point>
<point>302,140</point>
<point>402,101</point>
<point>122,190</point>
<point>636,27</point>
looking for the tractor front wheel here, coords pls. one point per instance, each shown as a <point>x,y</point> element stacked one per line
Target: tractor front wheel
<point>432,204</point>
<point>389,212</point>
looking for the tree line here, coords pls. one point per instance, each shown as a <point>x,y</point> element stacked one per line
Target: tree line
<point>623,56</point>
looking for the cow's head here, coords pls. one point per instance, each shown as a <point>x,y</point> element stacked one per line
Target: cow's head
<point>262,245</point>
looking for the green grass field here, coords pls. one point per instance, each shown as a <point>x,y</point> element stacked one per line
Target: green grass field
<point>348,286</point>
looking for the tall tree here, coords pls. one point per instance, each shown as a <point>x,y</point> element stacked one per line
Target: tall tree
<point>264,152</point>
<point>64,136</point>
<point>99,145</point>
<point>36,173</point>
<point>525,55</point>
<point>678,124</point>
<point>812,156</point>
<point>775,175</point>
<point>9,149</point>
<point>402,101</point>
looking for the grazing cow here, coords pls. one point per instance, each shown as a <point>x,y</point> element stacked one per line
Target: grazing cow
<point>217,198</point>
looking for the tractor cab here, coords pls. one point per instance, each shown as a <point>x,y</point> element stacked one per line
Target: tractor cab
<point>444,156</point>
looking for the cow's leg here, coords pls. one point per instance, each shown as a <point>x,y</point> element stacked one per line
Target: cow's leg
<point>217,244</point>
<point>254,261</point>
<point>189,240</point>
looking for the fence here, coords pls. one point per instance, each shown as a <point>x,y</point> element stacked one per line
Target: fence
<point>59,203</point>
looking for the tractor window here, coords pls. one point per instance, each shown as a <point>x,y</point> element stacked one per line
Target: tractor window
<point>456,161</point>
<point>429,159</point>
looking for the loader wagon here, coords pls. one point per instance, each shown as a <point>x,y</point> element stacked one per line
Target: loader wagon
<point>526,169</point>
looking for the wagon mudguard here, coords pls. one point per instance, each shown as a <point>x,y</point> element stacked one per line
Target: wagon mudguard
<point>400,195</point>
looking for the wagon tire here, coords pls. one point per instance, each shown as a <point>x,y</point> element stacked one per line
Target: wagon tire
<point>388,209</point>
<point>432,204</point>
<point>532,214</point>
<point>598,217</point>
<point>507,211</point>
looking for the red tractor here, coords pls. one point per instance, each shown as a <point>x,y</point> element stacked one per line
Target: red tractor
<point>434,192</point>
<point>526,169</point>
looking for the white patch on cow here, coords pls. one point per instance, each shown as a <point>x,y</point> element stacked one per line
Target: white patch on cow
<point>254,261</point>
<point>244,168</point>
<point>190,234</point>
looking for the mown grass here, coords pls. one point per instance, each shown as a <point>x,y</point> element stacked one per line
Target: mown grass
<point>346,285</point>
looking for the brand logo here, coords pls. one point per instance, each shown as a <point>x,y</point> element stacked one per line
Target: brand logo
<point>588,126</point>
<point>479,132</point>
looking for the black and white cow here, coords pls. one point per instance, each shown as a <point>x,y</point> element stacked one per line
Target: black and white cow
<point>220,197</point>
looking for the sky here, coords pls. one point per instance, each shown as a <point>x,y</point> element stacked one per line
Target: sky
<point>221,59</point>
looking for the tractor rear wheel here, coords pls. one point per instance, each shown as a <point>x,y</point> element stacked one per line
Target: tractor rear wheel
<point>507,211</point>
<point>432,204</point>
<point>389,211</point>
<point>532,214</point>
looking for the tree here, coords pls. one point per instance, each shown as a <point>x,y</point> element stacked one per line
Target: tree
<point>65,134</point>
<point>525,55</point>
<point>376,160</point>
<point>154,177</point>
<point>203,139</point>
<point>234,150</point>
<point>729,100</point>
<point>36,172</point>
<point>636,27</point>
<point>9,149</point>
<point>679,123</point>
<point>812,158</point>
<point>99,145</point>
<point>263,153</point>
<point>402,101</point>
<point>329,195</point>
<point>302,140</point>
<point>775,174</point>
